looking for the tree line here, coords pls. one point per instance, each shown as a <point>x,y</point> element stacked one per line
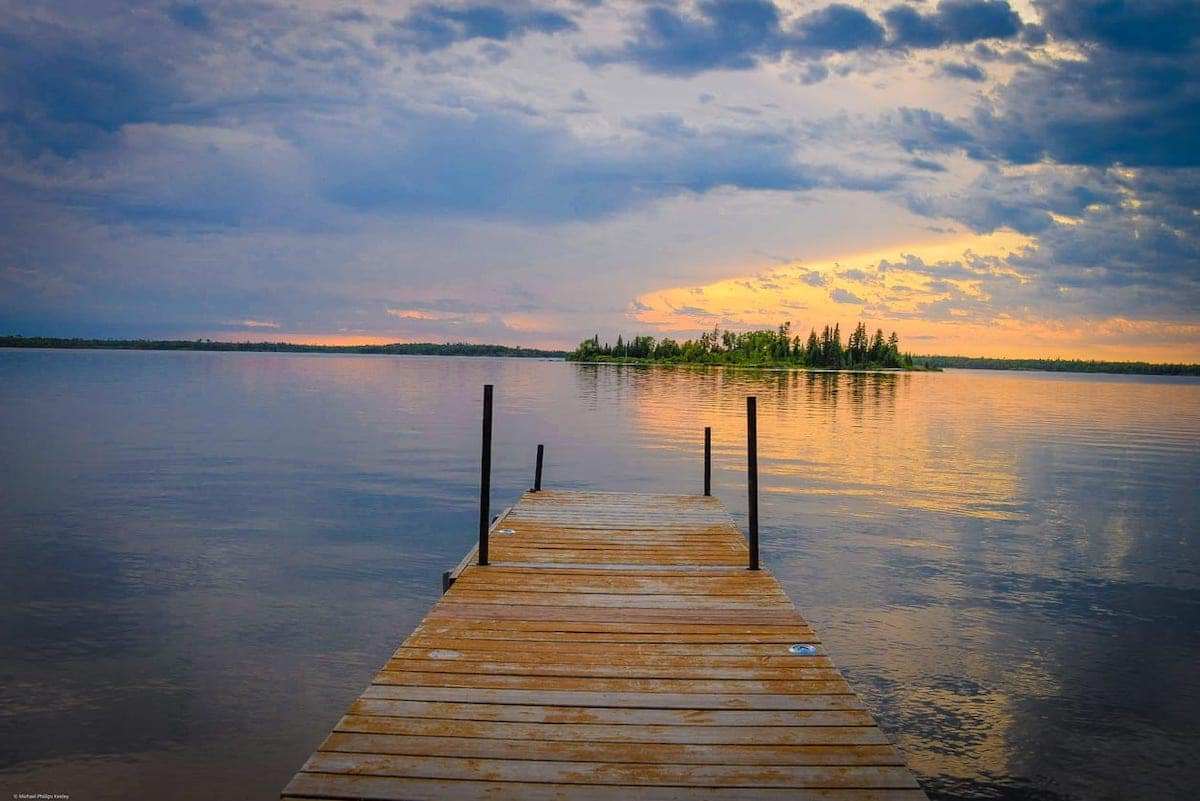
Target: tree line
<point>763,347</point>
<point>399,348</point>
<point>1061,365</point>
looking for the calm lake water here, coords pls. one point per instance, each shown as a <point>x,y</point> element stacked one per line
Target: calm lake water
<point>205,557</point>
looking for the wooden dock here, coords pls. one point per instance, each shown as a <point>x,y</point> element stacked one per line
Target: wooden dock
<point>615,647</point>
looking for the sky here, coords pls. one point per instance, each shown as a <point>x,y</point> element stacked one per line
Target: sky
<point>984,177</point>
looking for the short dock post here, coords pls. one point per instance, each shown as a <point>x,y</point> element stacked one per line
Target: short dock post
<point>537,472</point>
<point>708,460</point>
<point>752,474</point>
<point>485,475</point>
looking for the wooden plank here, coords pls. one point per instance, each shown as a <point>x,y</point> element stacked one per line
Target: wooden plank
<point>615,647</point>
<point>603,630</point>
<point>389,788</point>
<point>681,671</point>
<point>616,699</point>
<point>628,600</point>
<point>471,646</point>
<point>513,713</point>
<point>610,684</point>
<point>622,773</point>
<point>639,656</point>
<point>460,607</point>
<point>717,735</point>
<point>594,582</point>
<point>458,617</point>
<point>675,753</point>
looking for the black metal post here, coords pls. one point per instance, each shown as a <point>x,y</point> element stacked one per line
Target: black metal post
<point>537,473</point>
<point>708,460</point>
<point>485,475</point>
<point>752,474</point>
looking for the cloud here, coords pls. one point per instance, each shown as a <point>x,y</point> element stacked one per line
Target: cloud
<point>919,130</point>
<point>738,34</point>
<point>1092,154</point>
<point>726,34</point>
<point>74,95</point>
<point>1109,241</point>
<point>151,174</point>
<point>1165,26</point>
<point>910,28</point>
<point>840,295</point>
<point>1115,107</point>
<point>927,165</point>
<point>191,16</point>
<point>964,70</point>
<point>433,26</point>
<point>855,274</point>
<point>953,22</point>
<point>837,27</point>
<point>490,163</point>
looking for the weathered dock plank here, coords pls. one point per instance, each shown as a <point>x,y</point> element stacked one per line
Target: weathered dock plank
<point>614,647</point>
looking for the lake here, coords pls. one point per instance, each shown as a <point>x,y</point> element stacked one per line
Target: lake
<point>207,556</point>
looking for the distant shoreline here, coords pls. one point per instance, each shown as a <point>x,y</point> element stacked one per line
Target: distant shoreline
<point>468,349</point>
<point>398,348</point>
<point>1060,365</point>
<point>938,363</point>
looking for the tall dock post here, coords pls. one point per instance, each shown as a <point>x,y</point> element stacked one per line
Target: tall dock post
<point>752,474</point>
<point>485,475</point>
<point>537,472</point>
<point>708,460</point>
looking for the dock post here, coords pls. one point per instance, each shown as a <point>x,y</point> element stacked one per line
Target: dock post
<point>485,475</point>
<point>708,460</point>
<point>537,472</point>
<point>752,474</point>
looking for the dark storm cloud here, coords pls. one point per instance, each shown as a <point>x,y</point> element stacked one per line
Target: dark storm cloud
<point>433,27</point>
<point>953,22</point>
<point>911,28</point>
<point>1125,108</point>
<point>727,34</point>
<point>1133,100</point>
<point>73,94</point>
<point>1164,26</point>
<point>836,27</point>
<point>737,34</point>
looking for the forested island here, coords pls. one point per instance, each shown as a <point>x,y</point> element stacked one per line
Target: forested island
<point>779,348</point>
<point>399,348</point>
<point>763,348</point>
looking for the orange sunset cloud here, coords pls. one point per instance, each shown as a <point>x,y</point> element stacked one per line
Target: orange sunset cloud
<point>940,298</point>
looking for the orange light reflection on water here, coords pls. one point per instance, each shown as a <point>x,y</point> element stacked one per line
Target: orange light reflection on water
<point>818,436</point>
